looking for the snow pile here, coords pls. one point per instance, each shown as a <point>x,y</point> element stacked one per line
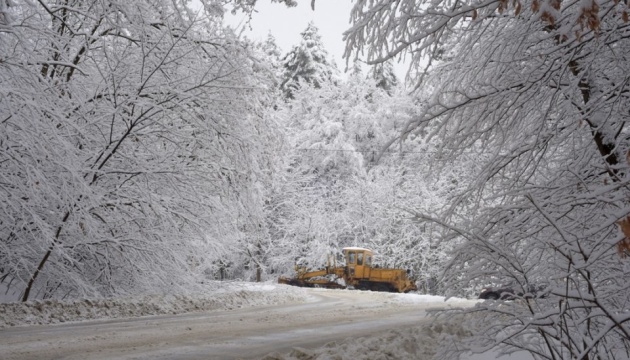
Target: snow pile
<point>412,298</point>
<point>217,296</point>
<point>418,342</point>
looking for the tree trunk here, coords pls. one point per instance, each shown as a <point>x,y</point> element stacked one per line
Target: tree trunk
<point>27,291</point>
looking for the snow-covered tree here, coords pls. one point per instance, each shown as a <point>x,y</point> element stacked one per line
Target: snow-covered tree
<point>307,63</point>
<point>384,75</point>
<point>321,161</point>
<point>269,57</point>
<point>130,139</point>
<point>538,92</point>
<point>335,194</point>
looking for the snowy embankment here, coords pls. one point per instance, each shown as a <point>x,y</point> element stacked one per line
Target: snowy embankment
<point>217,296</point>
<point>420,342</point>
<point>416,342</point>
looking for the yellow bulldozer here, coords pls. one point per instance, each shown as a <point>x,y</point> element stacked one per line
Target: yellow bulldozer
<point>358,273</point>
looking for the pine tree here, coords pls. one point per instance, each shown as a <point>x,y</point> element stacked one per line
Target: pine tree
<point>272,55</point>
<point>307,63</point>
<point>384,76</point>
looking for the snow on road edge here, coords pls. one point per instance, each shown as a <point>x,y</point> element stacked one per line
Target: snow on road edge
<point>418,342</point>
<point>217,296</point>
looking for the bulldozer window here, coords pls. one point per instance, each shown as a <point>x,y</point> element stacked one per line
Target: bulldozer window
<point>360,258</point>
<point>351,257</point>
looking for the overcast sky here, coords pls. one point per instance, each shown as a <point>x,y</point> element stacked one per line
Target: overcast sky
<point>332,18</point>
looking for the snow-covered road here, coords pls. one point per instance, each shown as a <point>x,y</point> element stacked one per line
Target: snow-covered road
<point>327,315</point>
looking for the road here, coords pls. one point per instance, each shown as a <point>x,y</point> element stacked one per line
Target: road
<point>236,334</point>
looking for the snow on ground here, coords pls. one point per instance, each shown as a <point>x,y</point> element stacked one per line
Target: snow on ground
<point>411,343</point>
<point>217,296</point>
<point>412,298</point>
<point>417,342</point>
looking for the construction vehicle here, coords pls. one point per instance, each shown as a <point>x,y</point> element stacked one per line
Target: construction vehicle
<point>358,273</point>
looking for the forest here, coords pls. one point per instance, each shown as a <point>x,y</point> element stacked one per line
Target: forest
<point>145,144</point>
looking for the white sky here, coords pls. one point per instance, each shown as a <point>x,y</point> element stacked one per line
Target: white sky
<point>332,18</point>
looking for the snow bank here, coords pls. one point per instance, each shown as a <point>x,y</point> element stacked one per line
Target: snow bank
<point>420,299</point>
<point>419,342</point>
<point>217,296</point>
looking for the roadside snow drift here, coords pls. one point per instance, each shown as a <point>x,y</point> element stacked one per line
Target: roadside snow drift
<point>418,342</point>
<point>218,296</point>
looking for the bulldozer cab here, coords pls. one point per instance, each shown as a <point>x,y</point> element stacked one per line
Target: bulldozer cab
<point>358,262</point>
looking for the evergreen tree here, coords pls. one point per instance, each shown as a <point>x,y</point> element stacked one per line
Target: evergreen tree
<point>307,63</point>
<point>384,76</point>
<point>271,54</point>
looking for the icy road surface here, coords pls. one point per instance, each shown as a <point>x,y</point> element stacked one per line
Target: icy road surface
<point>242,333</point>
